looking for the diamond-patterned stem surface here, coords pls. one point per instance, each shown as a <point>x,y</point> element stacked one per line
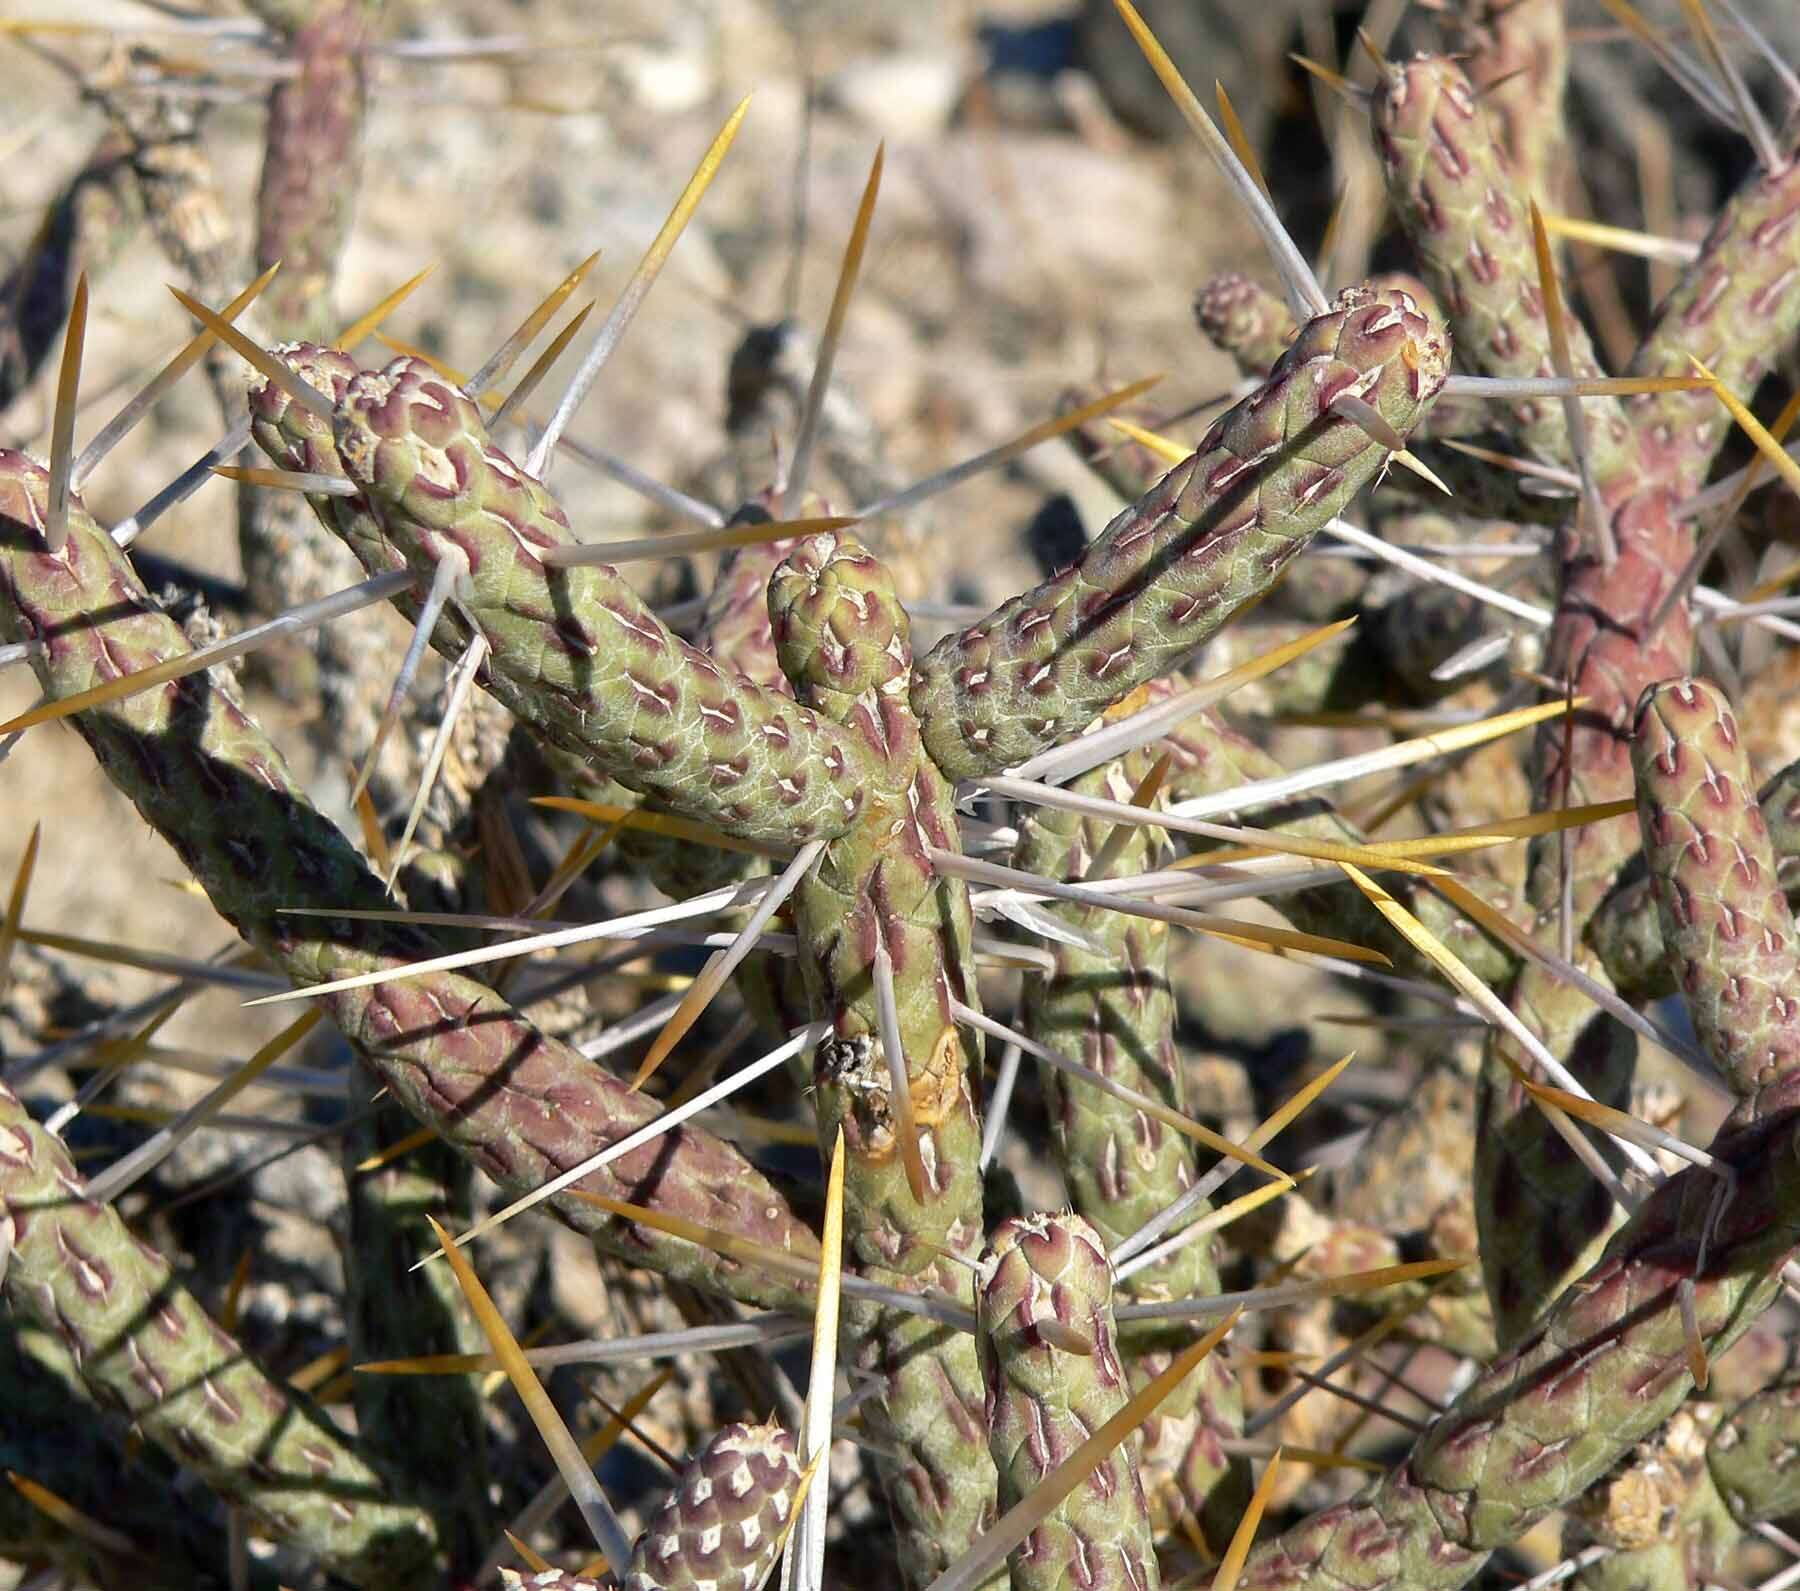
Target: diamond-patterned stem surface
<point>202,774</point>
<point>1516,54</point>
<point>843,639</point>
<point>57,1436</point>
<point>1735,309</point>
<point>1213,533</point>
<point>1114,1011</point>
<point>648,708</point>
<point>1045,1283</point>
<point>1541,1214</point>
<point>1455,194</point>
<point>142,1342</point>
<point>1548,1419</point>
<point>721,1525</point>
<point>1726,926</point>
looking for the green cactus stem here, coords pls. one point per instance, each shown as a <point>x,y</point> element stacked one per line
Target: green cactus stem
<point>1726,925</point>
<point>646,707</point>
<point>521,1105</point>
<point>874,909</point>
<point>1050,1357</point>
<point>141,1342</point>
<point>1213,533</point>
<point>1549,1418</point>
<point>1111,1008</point>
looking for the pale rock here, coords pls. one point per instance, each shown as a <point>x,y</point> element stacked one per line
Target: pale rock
<point>905,97</point>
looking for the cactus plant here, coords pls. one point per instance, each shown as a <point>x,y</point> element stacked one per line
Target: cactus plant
<point>819,788</point>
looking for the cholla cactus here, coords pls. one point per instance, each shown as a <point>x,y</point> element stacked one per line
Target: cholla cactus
<point>724,1522</point>
<point>1032,1388</point>
<point>1051,1362</point>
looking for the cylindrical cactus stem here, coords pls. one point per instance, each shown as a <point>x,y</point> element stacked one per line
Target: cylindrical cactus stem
<point>873,909</point>
<point>311,172</point>
<point>1125,464</point>
<point>56,1435</point>
<point>1315,588</point>
<point>1516,53</point>
<point>1726,925</point>
<point>1735,309</point>
<point>1468,221</point>
<point>396,1311</point>
<point>1050,1358</point>
<point>294,438</point>
<point>1253,324</point>
<point>356,665</point>
<point>649,709</point>
<point>1548,1419</point>
<point>1448,416</point>
<point>1754,1455</point>
<point>312,159</point>
<point>1115,1011</point>
<point>286,561</point>
<point>141,1341</point>
<point>1626,931</point>
<point>520,1105</point>
<point>722,1524</point>
<point>843,639</point>
<point>926,1423</point>
<point>1662,1518</point>
<point>1542,1215</point>
<point>1213,533</point>
<point>735,634</point>
<point>1246,320</point>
